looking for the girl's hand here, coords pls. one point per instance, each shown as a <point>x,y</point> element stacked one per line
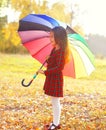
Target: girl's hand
<point>40,71</point>
<point>47,57</point>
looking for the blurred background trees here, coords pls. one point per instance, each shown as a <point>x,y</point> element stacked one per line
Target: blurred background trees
<point>9,39</point>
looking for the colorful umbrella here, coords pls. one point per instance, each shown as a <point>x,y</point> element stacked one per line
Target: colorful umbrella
<point>34,32</point>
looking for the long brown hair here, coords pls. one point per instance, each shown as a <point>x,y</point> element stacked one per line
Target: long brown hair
<point>60,37</point>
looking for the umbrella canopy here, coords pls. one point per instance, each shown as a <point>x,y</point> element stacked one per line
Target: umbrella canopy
<point>83,57</point>
<point>34,32</point>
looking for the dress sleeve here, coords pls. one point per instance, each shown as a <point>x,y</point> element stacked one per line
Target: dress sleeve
<point>59,64</point>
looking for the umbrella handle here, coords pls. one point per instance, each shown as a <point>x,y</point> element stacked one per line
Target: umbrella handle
<point>26,85</point>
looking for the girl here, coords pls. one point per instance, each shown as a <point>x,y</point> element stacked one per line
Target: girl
<point>53,85</point>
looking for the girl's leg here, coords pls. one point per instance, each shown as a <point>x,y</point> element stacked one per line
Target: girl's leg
<point>56,110</point>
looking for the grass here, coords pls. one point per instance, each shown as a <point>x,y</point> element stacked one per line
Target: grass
<point>83,105</point>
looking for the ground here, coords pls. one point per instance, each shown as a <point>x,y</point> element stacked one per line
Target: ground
<point>83,105</point>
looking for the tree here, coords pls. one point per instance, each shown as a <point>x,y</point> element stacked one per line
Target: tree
<point>55,13</point>
<point>25,7</point>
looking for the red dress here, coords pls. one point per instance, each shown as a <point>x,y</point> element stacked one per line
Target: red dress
<point>53,85</point>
